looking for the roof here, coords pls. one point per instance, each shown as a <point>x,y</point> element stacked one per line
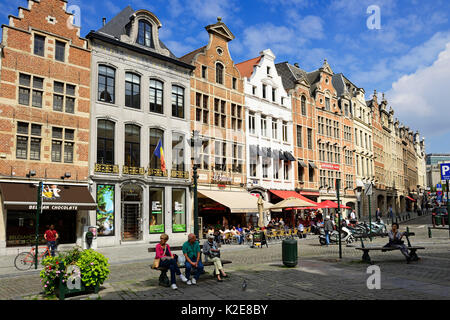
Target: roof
<point>290,75</point>
<point>339,84</point>
<point>189,58</point>
<point>246,68</point>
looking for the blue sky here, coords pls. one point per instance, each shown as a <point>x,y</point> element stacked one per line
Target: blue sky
<point>408,58</point>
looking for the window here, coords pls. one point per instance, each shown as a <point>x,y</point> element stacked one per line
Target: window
<point>177,102</point>
<point>276,169</point>
<point>145,34</point>
<point>274,129</point>
<point>252,122</point>
<point>327,104</point>
<point>179,210</point>
<point>219,73</point>
<point>346,110</point>
<point>299,136</point>
<point>204,155</point>
<point>321,125</point>
<point>236,117</point>
<point>285,132</point>
<point>300,171</point>
<point>234,83</point>
<point>220,113</point>
<point>132,90</point>
<point>59,140</point>
<point>264,87</point>
<point>60,49</point>
<point>274,94</point>
<point>155,136</point>
<point>253,168</point>
<point>220,152</point>
<point>63,97</point>
<point>286,170</point>
<point>177,151</point>
<point>254,90</point>
<point>238,158</point>
<point>310,144</point>
<point>156,96</point>
<point>311,174</point>
<point>202,110</point>
<point>25,89</point>
<point>157,210</point>
<point>263,126</point>
<point>356,137</point>
<point>22,141</point>
<point>204,69</point>
<point>39,45</point>
<point>106,84</point>
<point>303,106</point>
<point>268,70</point>
<point>105,142</point>
<point>132,145</point>
<point>265,170</point>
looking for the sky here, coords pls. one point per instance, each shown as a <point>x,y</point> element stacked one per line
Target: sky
<point>399,47</point>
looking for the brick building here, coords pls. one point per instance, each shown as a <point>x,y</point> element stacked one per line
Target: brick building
<point>44,123</point>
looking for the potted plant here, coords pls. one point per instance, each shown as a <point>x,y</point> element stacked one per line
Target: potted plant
<point>77,271</point>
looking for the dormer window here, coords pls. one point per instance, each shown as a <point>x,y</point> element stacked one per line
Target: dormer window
<point>145,34</point>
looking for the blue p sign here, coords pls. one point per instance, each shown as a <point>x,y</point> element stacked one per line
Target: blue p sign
<point>445,171</point>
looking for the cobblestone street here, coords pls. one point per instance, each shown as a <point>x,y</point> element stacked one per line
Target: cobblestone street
<point>318,275</point>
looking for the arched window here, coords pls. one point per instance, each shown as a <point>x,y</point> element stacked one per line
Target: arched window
<point>106,84</point>
<point>132,145</point>
<point>155,136</point>
<point>105,142</point>
<point>145,34</point>
<point>156,96</point>
<point>303,105</point>
<point>132,90</point>
<point>219,73</point>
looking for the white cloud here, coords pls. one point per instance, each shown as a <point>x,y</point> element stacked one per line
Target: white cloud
<point>420,99</point>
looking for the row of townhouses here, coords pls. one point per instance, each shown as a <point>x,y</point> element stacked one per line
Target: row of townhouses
<point>94,117</point>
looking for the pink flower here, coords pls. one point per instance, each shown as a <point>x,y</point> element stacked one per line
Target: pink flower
<point>45,286</point>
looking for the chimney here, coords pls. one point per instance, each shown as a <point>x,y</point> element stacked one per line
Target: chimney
<point>104,21</point>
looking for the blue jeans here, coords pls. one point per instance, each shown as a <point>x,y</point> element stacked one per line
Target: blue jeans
<point>173,266</point>
<point>198,271</point>
<point>52,247</point>
<point>327,236</point>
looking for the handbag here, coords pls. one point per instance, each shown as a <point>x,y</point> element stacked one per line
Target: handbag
<point>158,260</point>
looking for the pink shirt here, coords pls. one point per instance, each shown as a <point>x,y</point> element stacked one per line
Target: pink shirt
<point>160,251</point>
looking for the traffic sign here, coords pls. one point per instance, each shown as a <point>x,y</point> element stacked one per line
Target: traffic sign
<point>368,189</point>
<point>445,171</point>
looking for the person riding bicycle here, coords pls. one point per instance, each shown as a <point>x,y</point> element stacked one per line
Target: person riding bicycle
<point>51,236</point>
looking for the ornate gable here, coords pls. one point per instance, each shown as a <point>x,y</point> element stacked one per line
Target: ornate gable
<point>220,29</point>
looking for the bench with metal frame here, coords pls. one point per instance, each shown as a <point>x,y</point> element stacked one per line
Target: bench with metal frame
<point>163,276</point>
<point>412,254</point>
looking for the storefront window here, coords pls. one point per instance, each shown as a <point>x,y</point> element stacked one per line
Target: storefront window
<point>105,210</point>
<point>157,210</point>
<point>178,210</point>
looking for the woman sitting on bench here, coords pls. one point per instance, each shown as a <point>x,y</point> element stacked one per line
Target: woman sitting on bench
<point>168,260</point>
<point>395,241</point>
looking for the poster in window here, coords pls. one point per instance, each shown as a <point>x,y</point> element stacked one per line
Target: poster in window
<point>179,212</point>
<point>157,210</point>
<point>105,210</point>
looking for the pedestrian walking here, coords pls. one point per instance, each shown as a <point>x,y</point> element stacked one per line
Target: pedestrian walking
<point>51,236</point>
<point>191,251</point>
<point>328,228</point>
<point>168,260</point>
<point>353,217</point>
<point>212,252</point>
<point>395,241</point>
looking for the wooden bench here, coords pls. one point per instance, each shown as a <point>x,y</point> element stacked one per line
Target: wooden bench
<point>412,250</point>
<point>163,279</point>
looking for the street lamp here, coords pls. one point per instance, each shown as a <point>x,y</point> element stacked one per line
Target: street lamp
<point>358,191</point>
<point>194,142</point>
<point>66,175</point>
<point>30,174</point>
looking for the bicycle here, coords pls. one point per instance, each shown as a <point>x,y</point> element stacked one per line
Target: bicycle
<point>25,260</point>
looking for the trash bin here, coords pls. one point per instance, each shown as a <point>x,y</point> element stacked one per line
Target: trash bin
<point>289,252</point>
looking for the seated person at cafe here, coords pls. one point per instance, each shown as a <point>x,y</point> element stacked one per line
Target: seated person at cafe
<point>236,234</point>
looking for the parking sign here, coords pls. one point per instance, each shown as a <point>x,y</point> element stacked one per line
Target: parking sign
<point>445,171</point>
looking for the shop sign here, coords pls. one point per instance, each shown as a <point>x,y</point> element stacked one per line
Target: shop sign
<point>133,170</point>
<point>179,174</point>
<point>54,207</point>
<point>203,176</point>
<point>156,207</point>
<point>156,172</point>
<point>219,178</point>
<point>329,166</point>
<point>106,168</point>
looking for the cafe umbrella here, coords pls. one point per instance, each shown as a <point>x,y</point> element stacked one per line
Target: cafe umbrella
<point>293,203</point>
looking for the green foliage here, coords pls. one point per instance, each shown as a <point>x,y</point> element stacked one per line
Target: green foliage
<point>94,267</point>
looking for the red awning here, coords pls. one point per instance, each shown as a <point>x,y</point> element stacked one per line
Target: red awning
<point>331,205</point>
<point>409,198</point>
<point>284,194</point>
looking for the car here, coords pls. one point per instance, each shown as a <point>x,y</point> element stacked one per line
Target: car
<point>439,214</point>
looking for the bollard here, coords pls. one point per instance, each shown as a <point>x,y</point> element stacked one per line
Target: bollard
<point>429,232</point>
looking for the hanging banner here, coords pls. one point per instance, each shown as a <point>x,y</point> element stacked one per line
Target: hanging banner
<point>105,210</point>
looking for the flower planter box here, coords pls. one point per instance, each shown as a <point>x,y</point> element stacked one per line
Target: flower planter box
<point>62,290</point>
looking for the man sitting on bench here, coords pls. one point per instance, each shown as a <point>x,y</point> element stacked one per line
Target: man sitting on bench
<point>191,250</point>
<point>395,241</point>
